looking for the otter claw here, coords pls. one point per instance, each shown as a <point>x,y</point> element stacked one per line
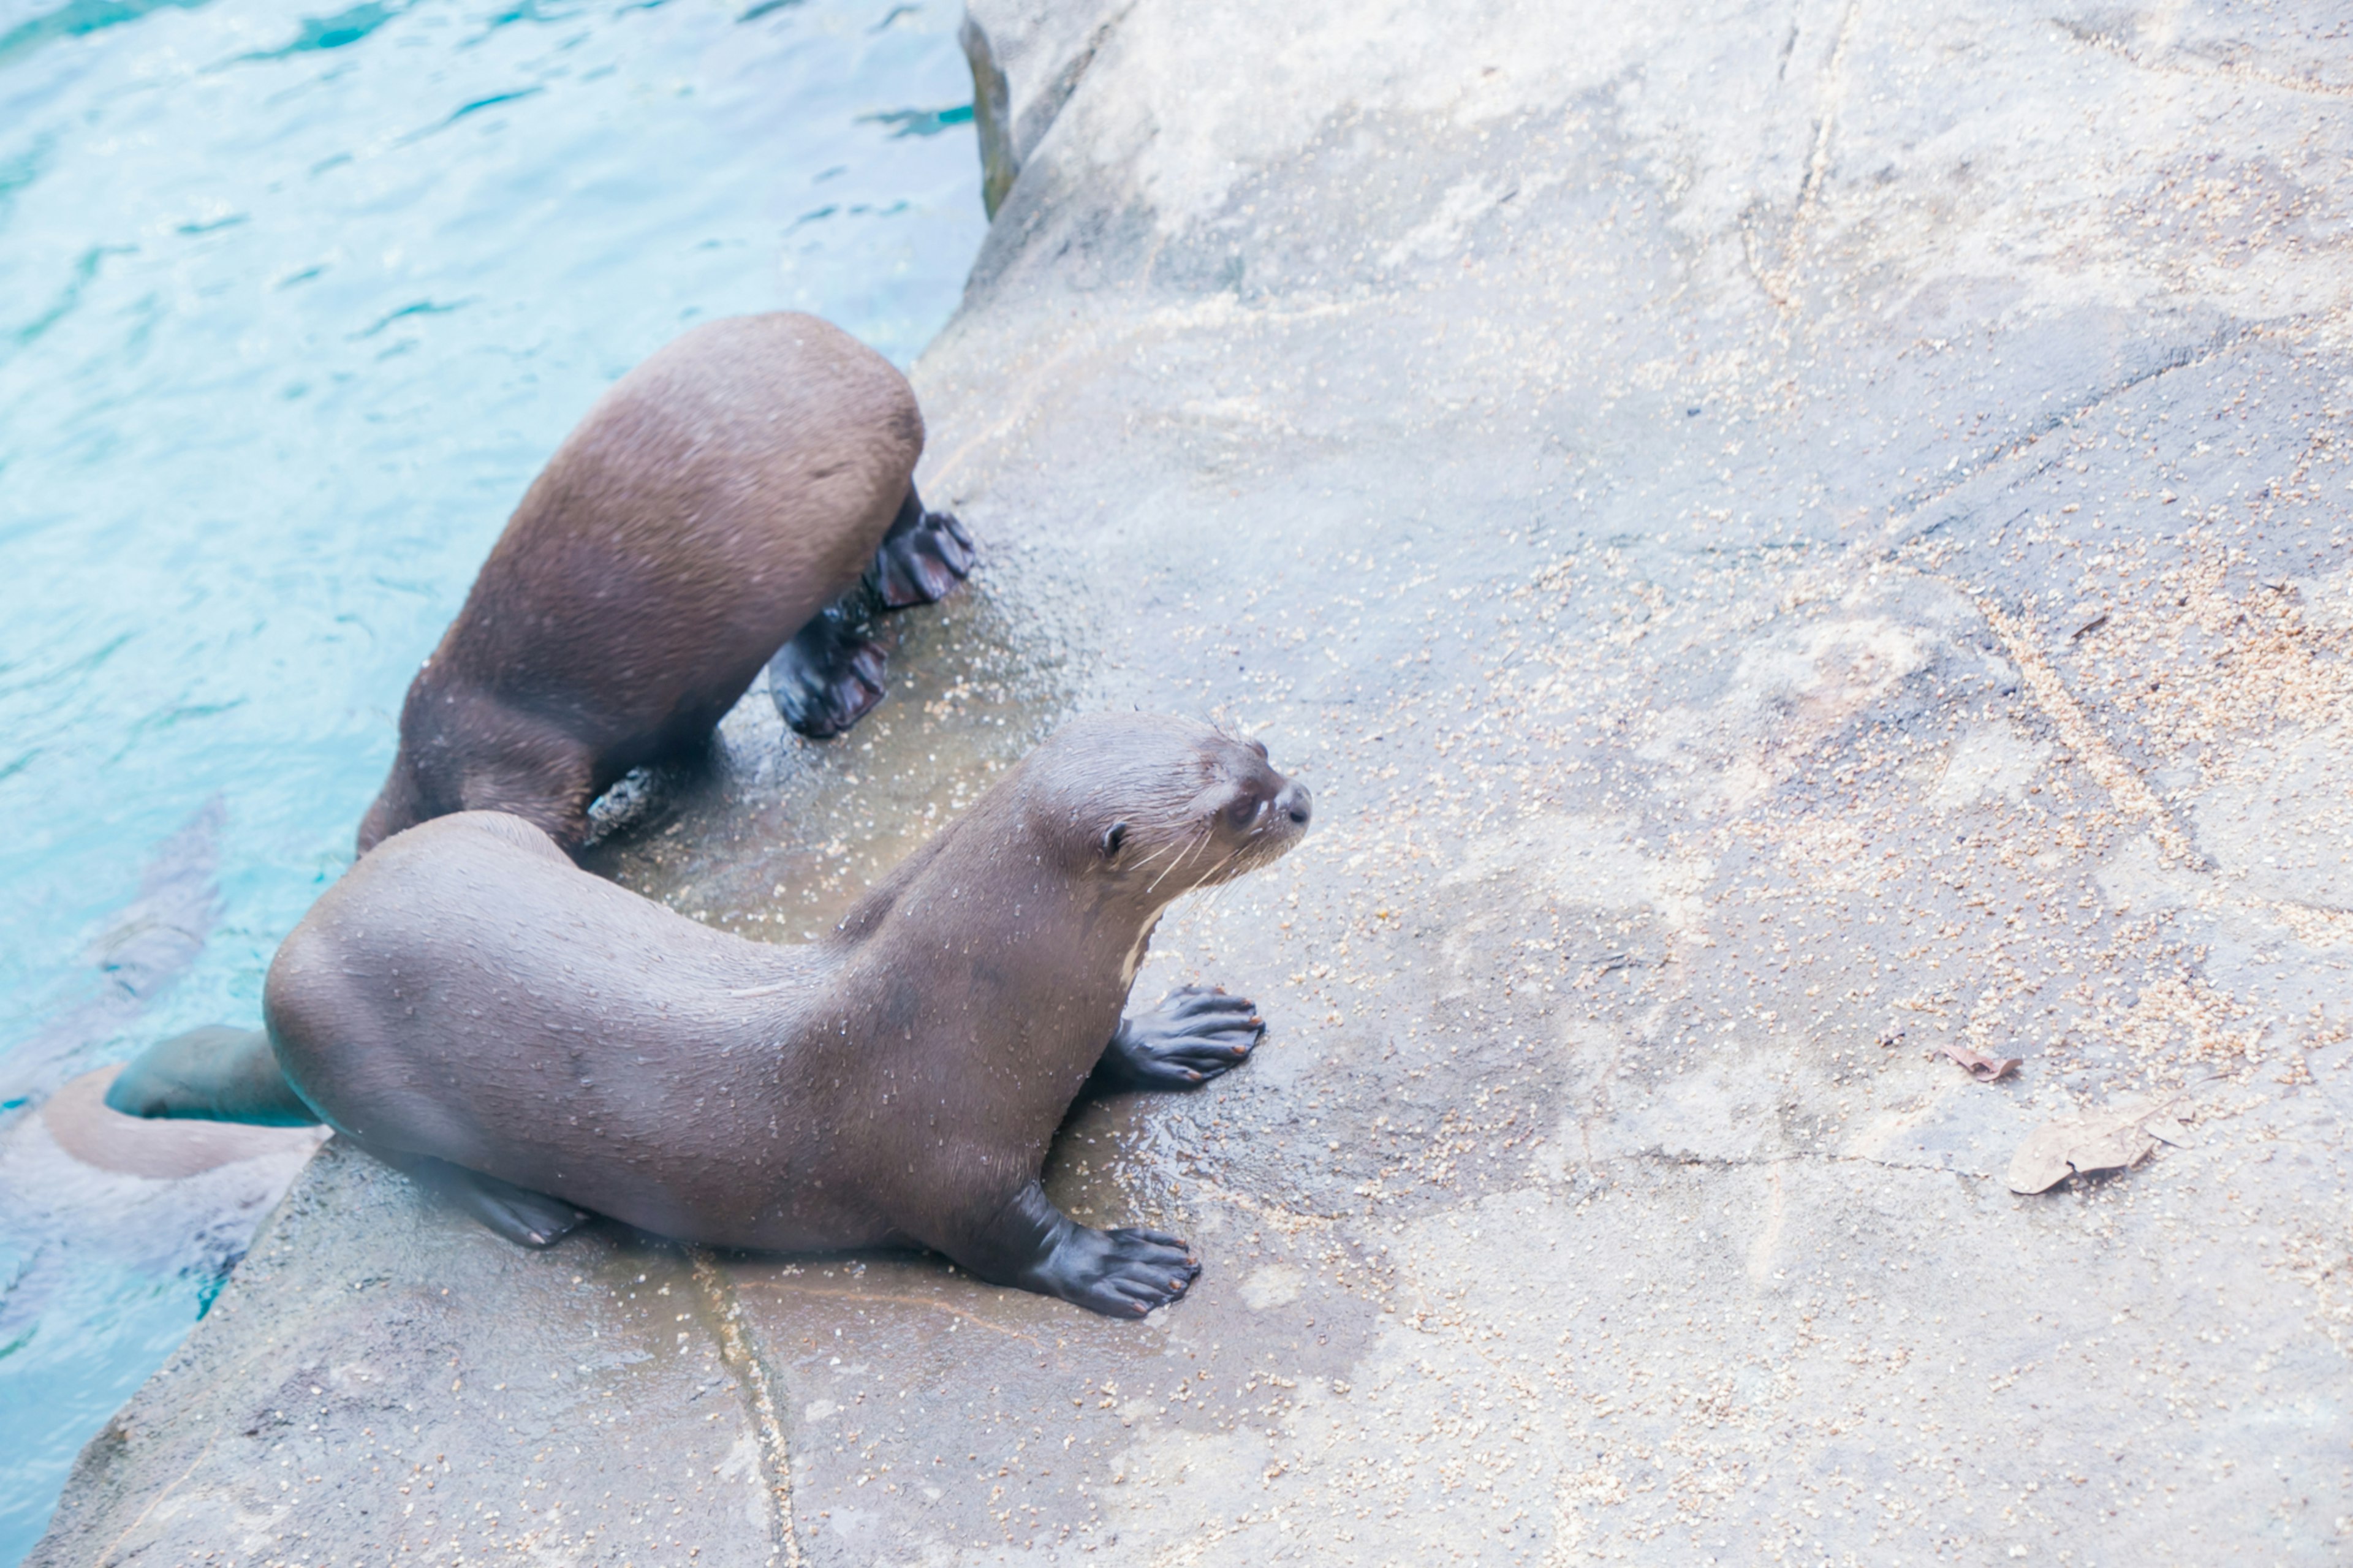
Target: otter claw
<point>1122,1272</point>
<point>924,563</point>
<point>828,677</point>
<point>1194,1034</point>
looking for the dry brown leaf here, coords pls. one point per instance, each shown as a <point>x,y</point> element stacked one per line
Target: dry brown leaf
<point>1985,1070</point>
<point>2113,1138</point>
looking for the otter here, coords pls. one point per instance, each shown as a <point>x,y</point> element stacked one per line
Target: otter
<point>539,1044</point>
<point>747,491</point>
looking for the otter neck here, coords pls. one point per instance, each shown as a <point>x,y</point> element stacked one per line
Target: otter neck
<point>1004,920</point>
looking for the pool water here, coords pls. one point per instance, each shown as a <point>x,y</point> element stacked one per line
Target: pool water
<point>293,303</point>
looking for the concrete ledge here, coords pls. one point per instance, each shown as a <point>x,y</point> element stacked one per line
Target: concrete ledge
<point>1027,59</point>
<point>1785,541</point>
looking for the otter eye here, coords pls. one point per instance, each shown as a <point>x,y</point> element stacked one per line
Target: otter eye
<point>1245,810</point>
<point>1113,836</point>
<point>1259,747</point>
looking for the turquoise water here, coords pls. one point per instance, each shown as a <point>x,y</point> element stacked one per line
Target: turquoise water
<point>293,303</point>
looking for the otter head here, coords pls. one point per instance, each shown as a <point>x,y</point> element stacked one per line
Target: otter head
<point>1156,806</point>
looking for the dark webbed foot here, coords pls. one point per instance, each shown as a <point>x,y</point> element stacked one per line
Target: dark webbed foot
<point>1029,1243</point>
<point>523,1217</point>
<point>826,679</point>
<point>1195,1033</point>
<point>1120,1273</point>
<point>922,558</point>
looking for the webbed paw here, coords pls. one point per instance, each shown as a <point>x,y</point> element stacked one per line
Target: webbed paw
<point>826,678</point>
<point>922,563</point>
<point>1191,1036</point>
<point>526,1218</point>
<point>1120,1273</point>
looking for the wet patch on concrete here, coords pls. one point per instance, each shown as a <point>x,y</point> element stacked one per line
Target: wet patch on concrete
<point>1782,544</point>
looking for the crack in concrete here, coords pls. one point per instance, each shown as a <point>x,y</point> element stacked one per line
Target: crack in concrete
<point>2227,70</point>
<point>1056,95</point>
<point>2181,357</point>
<point>107,1557</point>
<point>735,1346</point>
<point>1779,284</point>
<point>1659,1156</point>
<point>2082,735</point>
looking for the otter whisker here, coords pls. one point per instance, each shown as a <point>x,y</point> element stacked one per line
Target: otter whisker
<point>1211,895</point>
<point>1168,849</point>
<point>1172,865</point>
<point>1197,840</point>
<point>1172,848</point>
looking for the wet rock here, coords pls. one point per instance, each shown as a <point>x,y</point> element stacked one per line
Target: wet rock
<point>1027,56</point>
<point>1684,782</point>
<point>380,1377</point>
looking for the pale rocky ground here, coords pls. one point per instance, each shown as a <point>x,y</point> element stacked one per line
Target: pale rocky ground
<point>1783,537</point>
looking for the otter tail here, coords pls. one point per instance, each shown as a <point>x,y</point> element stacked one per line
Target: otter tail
<point>213,1074</point>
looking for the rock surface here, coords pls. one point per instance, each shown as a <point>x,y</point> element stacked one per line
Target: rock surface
<point>1783,538</point>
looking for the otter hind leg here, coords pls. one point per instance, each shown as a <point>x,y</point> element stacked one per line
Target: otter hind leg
<point>212,1074</point>
<point>1195,1033</point>
<point>922,558</point>
<point>1031,1244</point>
<point>523,1217</point>
<point>828,676</point>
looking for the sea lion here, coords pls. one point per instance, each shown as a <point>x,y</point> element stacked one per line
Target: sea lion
<point>747,491</point>
<point>537,1042</point>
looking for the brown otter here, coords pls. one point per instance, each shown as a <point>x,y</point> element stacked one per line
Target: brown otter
<point>746,492</point>
<point>534,1041</point>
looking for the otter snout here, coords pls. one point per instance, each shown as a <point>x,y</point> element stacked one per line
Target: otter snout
<point>1295,800</point>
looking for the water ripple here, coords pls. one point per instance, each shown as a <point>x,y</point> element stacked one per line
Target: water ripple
<point>339,31</point>
<point>78,18</point>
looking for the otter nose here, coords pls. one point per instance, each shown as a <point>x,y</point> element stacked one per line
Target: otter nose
<point>1296,802</point>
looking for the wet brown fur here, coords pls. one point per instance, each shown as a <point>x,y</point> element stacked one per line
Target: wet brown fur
<point>467,994</point>
<point>710,505</point>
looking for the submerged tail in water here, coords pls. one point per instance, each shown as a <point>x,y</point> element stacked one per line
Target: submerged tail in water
<point>213,1074</point>
<point>219,1074</point>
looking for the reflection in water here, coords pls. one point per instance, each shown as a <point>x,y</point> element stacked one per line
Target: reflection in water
<point>294,299</point>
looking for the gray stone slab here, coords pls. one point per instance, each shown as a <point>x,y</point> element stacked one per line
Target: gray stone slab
<point>1784,540</point>
<point>381,1379</point>
<point>1028,57</point>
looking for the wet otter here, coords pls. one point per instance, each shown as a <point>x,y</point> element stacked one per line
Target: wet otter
<point>470,1006</point>
<point>744,492</point>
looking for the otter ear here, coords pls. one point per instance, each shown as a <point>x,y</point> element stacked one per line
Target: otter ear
<point>1113,836</point>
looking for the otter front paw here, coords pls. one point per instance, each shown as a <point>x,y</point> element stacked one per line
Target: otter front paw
<point>1119,1273</point>
<point>1195,1033</point>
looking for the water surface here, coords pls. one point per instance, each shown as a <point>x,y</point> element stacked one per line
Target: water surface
<point>293,303</point>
